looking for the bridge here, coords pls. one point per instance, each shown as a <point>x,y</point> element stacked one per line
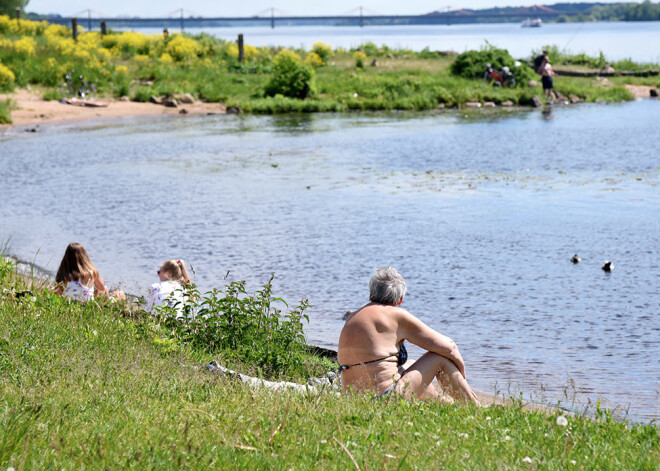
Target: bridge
<point>359,16</point>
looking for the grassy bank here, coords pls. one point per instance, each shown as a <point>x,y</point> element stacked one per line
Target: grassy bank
<point>272,80</point>
<point>91,386</point>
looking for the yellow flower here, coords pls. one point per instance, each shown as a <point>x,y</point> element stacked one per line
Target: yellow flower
<point>181,48</point>
<point>314,60</point>
<point>166,58</point>
<point>121,69</point>
<point>26,45</point>
<point>7,77</point>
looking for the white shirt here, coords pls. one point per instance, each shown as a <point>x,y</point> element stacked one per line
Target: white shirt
<point>79,292</point>
<point>165,293</point>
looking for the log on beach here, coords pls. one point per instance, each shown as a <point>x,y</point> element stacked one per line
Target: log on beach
<point>606,73</point>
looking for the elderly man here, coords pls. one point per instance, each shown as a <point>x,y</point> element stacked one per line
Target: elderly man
<point>372,356</point>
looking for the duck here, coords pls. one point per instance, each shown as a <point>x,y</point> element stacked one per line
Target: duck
<point>608,266</point>
<point>576,259</point>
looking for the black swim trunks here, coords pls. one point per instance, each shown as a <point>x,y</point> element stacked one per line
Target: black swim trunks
<point>547,82</point>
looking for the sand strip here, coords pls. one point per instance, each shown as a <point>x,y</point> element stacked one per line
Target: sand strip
<point>33,110</point>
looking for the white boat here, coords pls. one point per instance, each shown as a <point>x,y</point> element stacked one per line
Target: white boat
<point>532,23</point>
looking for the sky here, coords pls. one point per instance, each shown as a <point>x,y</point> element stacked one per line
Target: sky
<point>164,8</point>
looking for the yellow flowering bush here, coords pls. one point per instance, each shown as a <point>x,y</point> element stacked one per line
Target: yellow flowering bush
<point>12,26</point>
<point>250,51</point>
<point>57,30</point>
<point>65,46</point>
<point>181,48</point>
<point>165,58</point>
<point>359,57</point>
<point>142,59</point>
<point>323,50</point>
<point>121,69</point>
<point>26,45</point>
<point>7,78</point>
<point>314,60</point>
<point>128,42</point>
<point>6,43</point>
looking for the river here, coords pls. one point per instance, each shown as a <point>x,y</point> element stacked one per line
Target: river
<point>480,212</point>
<point>617,40</point>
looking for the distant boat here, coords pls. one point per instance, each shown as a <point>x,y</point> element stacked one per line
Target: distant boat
<point>532,23</point>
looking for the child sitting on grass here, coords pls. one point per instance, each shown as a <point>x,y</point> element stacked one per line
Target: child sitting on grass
<point>78,279</point>
<point>168,291</point>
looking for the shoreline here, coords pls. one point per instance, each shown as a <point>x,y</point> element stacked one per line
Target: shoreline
<point>32,110</point>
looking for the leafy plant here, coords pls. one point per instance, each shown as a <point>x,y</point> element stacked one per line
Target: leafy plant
<point>472,64</point>
<point>291,78</point>
<point>245,327</point>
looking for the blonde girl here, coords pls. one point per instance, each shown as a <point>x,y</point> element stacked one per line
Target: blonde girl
<point>173,278</point>
<point>77,277</point>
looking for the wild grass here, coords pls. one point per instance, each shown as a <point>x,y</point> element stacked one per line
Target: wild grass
<point>89,386</point>
<point>6,107</point>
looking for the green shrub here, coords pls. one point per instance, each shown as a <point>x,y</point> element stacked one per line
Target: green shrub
<point>243,327</point>
<point>291,78</point>
<point>472,64</point>
<point>6,106</point>
<point>323,50</point>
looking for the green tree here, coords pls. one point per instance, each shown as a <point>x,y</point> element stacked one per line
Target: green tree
<point>8,7</point>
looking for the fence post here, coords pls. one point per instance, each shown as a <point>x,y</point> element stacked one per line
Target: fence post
<point>74,28</point>
<point>103,30</point>
<point>18,14</point>
<point>241,52</point>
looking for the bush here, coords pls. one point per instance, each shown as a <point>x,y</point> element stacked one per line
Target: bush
<point>6,106</point>
<point>243,327</point>
<point>314,60</point>
<point>291,78</point>
<point>182,48</point>
<point>323,50</point>
<point>359,57</point>
<point>7,78</point>
<point>472,64</point>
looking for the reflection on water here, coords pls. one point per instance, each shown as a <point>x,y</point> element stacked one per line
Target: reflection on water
<point>480,212</point>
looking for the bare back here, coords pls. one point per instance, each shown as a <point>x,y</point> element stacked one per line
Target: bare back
<point>370,333</point>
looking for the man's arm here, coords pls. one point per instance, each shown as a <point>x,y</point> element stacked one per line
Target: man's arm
<point>414,330</point>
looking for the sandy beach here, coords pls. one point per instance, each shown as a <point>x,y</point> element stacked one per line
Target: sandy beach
<point>33,109</point>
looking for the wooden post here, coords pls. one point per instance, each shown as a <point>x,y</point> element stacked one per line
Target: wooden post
<point>18,14</point>
<point>103,30</point>
<point>241,52</point>
<point>74,28</point>
<point>166,34</point>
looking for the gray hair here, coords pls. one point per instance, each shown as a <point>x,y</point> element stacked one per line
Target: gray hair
<point>386,286</point>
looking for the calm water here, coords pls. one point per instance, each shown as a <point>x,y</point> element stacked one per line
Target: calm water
<point>617,41</point>
<point>481,214</point>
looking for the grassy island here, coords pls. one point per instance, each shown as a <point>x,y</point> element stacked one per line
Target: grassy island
<point>142,67</point>
<point>97,386</point>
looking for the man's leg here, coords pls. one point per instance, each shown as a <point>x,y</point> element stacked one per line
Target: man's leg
<point>417,379</point>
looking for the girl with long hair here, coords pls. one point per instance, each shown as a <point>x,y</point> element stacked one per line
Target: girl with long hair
<point>77,277</point>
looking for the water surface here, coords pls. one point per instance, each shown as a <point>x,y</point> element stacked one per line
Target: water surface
<point>480,213</point>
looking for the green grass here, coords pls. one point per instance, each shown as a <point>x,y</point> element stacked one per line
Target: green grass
<point>90,386</point>
<point>6,107</point>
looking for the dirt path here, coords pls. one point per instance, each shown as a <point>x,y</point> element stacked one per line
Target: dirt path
<point>640,91</point>
<point>32,109</point>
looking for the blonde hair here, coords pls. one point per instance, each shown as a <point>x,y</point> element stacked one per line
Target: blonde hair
<point>76,265</point>
<point>175,270</point>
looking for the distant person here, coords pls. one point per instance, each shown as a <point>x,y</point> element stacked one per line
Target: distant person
<point>78,279</point>
<point>539,62</point>
<point>372,355</point>
<point>546,80</point>
<point>173,278</point>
